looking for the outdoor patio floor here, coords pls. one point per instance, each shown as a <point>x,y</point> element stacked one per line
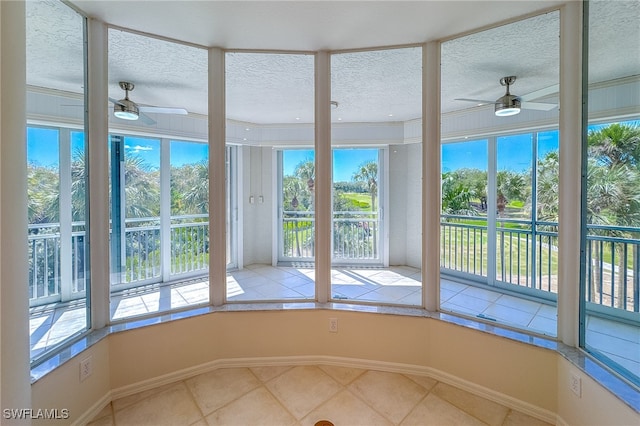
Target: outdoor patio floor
<point>50,324</point>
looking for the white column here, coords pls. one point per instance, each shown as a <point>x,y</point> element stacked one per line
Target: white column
<point>570,171</point>
<point>322,185</point>
<point>97,146</point>
<point>217,164</point>
<point>431,176</point>
<point>165,208</point>
<point>15,388</point>
<point>66,215</point>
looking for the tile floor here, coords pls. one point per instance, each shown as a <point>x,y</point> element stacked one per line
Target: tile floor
<point>395,285</point>
<point>304,395</point>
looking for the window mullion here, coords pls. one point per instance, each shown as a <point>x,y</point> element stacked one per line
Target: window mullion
<point>66,228</point>
<point>492,215</point>
<point>165,208</point>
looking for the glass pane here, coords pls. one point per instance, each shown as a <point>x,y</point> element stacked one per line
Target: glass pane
<point>56,176</point>
<point>515,236</point>
<point>498,258</point>
<point>270,122</point>
<point>159,182</point>
<point>463,228</point>
<point>298,230</point>
<point>611,287</point>
<point>377,176</point>
<point>190,211</point>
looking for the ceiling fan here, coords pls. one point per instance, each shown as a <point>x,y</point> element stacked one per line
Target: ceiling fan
<point>129,110</point>
<point>511,104</point>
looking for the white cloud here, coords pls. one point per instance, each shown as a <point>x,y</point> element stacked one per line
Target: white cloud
<point>139,148</point>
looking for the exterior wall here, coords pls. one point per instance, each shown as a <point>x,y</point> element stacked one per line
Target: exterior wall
<point>397,209</point>
<point>258,217</point>
<point>405,205</point>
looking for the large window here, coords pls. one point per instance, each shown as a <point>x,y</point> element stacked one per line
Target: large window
<point>57,176</point>
<point>159,177</point>
<point>499,184</point>
<point>610,314</point>
<point>270,123</point>
<point>377,173</point>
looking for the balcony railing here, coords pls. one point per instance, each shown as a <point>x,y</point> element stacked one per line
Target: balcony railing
<point>613,269</point>
<point>189,255</point>
<point>355,235</point>
<point>528,257</point>
<point>525,257</point>
<point>45,274</point>
<point>298,235</point>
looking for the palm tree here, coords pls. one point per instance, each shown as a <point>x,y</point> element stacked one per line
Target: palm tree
<point>548,186</point>
<point>613,186</point>
<point>368,174</point>
<point>142,188</point>
<point>293,187</point>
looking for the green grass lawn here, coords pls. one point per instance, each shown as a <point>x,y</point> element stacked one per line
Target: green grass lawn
<point>359,200</point>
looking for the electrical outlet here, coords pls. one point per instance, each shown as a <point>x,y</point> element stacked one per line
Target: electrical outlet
<point>333,325</point>
<point>86,368</point>
<point>575,384</point>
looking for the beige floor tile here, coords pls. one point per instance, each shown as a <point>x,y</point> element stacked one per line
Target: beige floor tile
<point>393,395</point>
<point>217,388</point>
<point>200,422</point>
<point>433,411</point>
<point>267,373</point>
<point>258,407</point>
<point>172,407</point>
<point>345,409</point>
<point>481,408</point>
<point>126,401</point>
<point>302,389</point>
<point>516,418</point>
<point>343,375</point>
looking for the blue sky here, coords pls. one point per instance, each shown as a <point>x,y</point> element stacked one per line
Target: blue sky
<point>345,161</point>
<point>42,148</point>
<point>513,152</point>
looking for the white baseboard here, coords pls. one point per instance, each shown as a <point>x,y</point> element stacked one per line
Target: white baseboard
<point>93,411</point>
<point>500,398</point>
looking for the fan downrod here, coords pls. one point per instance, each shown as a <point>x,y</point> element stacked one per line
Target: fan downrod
<point>508,81</point>
<point>127,87</point>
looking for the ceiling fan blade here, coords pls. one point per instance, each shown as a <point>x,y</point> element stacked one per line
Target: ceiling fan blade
<point>146,119</point>
<point>162,110</point>
<point>540,106</point>
<point>115,101</point>
<point>478,101</point>
<point>541,93</point>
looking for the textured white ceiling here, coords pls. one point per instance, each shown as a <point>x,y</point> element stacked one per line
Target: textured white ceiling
<point>276,88</point>
<point>472,66</point>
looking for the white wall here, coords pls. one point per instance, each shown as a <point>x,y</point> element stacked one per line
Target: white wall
<point>14,298</point>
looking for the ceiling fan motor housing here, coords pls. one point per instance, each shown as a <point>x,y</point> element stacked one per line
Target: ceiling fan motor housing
<point>126,109</point>
<point>507,105</point>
